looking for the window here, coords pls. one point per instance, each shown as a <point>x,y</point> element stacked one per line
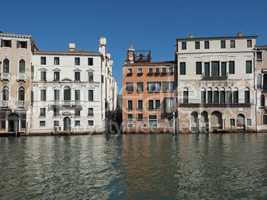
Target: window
<point>23,123</point>
<point>21,94</point>
<point>198,68</point>
<point>77,112</point>
<point>223,69</point>
<point>153,86</point>
<point>150,105</point>
<point>67,93</point>
<point>229,97</point>
<point>232,122</point>
<point>77,76</point>
<point>90,112</point>
<point>77,95</point>
<point>140,87</point>
<point>235,97</point>
<point>77,61</point>
<point>265,119</point>
<point>247,96</point>
<point>22,66</point>
<point>56,111</point>
<point>223,44</point>
<point>102,79</point>
<point>152,121</point>
<point>185,96</point>
<point>231,67</point>
<point>90,95</point>
<point>56,123</point>
<point>262,100</point>
<point>150,70</point>
<point>130,117</point>
<point>90,123</point>
<point>90,61</point>
<point>216,97</point>
<point>249,122</point>
<point>140,104</point>
<point>157,70</point>
<point>42,123</point>
<point>249,43</point>
<point>182,68</point>
<point>91,77</point>
<point>139,71</point>
<point>77,123</point>
<point>215,68</point>
<point>56,95</point>
<point>56,61</point>
<point>6,43</point>
<point>2,124</point>
<point>232,43</point>
<point>157,106</point>
<point>248,66</point>
<point>5,93</point>
<point>140,117</point>
<point>197,44</point>
<point>184,46</point>
<point>129,87</point>
<point>22,44</point>
<point>129,71</point>
<point>6,66</point>
<point>209,97</point>
<point>206,44</point>
<point>207,69</point>
<point>42,112</point>
<point>43,95</point>
<point>130,105</point>
<point>43,60</point>
<point>56,76</point>
<point>164,70</point>
<point>43,75</point>
<point>259,56</point>
<point>203,96</point>
<point>222,97</point>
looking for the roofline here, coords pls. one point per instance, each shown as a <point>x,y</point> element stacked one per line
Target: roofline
<point>15,35</point>
<point>216,38</point>
<point>262,47</point>
<point>67,53</point>
<point>156,63</point>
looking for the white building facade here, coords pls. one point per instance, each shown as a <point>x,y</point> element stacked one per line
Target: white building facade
<point>216,90</point>
<point>70,90</point>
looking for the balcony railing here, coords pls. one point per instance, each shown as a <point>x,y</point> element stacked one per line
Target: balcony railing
<point>4,103</point>
<point>22,76</point>
<point>196,105</point>
<point>5,76</point>
<point>214,78</point>
<point>21,104</point>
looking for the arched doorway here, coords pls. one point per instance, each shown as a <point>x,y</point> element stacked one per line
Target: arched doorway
<point>241,121</point>
<point>13,123</point>
<point>216,121</point>
<point>67,124</point>
<point>194,122</point>
<point>204,122</point>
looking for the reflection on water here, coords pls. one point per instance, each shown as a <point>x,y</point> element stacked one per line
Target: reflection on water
<point>134,167</point>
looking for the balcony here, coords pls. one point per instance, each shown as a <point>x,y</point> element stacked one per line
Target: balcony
<point>197,105</point>
<point>21,104</point>
<point>5,76</point>
<point>4,104</point>
<point>21,77</point>
<point>214,78</point>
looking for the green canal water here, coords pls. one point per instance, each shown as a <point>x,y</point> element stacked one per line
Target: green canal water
<point>135,167</point>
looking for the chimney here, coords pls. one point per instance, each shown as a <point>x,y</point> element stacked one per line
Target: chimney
<point>240,34</point>
<point>72,46</point>
<point>102,45</point>
<point>130,54</point>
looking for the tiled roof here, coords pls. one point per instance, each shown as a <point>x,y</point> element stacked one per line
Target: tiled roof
<point>156,63</point>
<point>216,38</point>
<point>68,53</point>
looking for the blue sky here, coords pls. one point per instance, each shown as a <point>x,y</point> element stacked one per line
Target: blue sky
<point>148,24</point>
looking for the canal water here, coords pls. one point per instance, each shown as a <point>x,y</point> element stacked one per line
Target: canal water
<point>135,167</point>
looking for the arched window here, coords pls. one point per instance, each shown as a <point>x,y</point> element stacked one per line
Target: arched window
<point>216,96</point>
<point>229,98</point>
<point>21,94</point>
<point>67,93</point>
<point>235,96</point>
<point>185,96</point>
<point>262,100</point>
<point>209,96</point>
<point>6,66</point>
<point>222,96</point>
<point>22,66</point>
<point>5,93</point>
<point>247,96</point>
<point>203,96</point>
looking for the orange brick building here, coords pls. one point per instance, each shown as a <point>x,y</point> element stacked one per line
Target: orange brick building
<point>149,94</point>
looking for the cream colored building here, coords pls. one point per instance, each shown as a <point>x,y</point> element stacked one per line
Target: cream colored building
<point>216,83</point>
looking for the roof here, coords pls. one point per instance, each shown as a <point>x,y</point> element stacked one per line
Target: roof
<point>68,53</point>
<point>14,35</point>
<point>217,38</point>
<point>157,63</point>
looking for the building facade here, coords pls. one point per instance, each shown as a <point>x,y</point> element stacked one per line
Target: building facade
<point>15,82</point>
<point>216,90</point>
<point>54,91</point>
<point>261,86</point>
<point>148,94</point>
